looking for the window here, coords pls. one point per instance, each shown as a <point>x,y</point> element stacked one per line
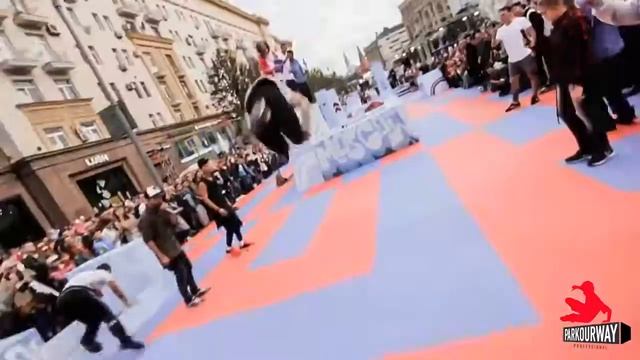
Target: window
<point>95,55</point>
<point>172,62</point>
<point>6,49</point>
<point>28,90</point>
<point>186,148</point>
<point>109,23</point>
<point>193,65</point>
<point>179,114</point>
<point>96,17</point>
<point>145,89</point>
<point>196,108</point>
<point>136,88</point>
<point>185,88</point>
<point>67,89</point>
<point>41,47</point>
<point>74,16</point>
<point>186,61</point>
<point>178,14</point>
<point>199,85</point>
<point>178,36</point>
<point>90,131</point>
<point>208,138</point>
<point>130,25</point>
<point>127,57</point>
<point>56,137</point>
<point>160,118</point>
<point>154,120</point>
<point>156,30</point>
<point>167,92</point>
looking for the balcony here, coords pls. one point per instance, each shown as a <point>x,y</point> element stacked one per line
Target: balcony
<point>58,66</point>
<point>201,49</point>
<point>21,63</point>
<point>30,20</point>
<point>153,16</point>
<point>129,9</point>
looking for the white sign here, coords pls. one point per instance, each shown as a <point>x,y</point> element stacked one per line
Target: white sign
<point>96,160</point>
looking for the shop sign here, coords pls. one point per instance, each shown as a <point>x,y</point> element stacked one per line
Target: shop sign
<point>96,159</point>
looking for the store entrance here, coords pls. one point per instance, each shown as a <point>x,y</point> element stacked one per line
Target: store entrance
<point>17,224</point>
<point>108,188</point>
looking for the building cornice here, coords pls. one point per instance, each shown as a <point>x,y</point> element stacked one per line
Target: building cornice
<point>236,10</point>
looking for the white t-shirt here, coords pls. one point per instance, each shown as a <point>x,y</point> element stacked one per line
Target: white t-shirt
<point>513,40</point>
<point>96,279</point>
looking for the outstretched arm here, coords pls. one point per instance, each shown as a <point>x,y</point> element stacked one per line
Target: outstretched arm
<point>119,293</point>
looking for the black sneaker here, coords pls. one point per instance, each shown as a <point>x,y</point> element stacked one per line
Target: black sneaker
<point>535,99</point>
<point>131,345</point>
<point>598,159</point>
<point>610,152</point>
<point>202,292</point>
<point>513,106</point>
<point>194,302</point>
<point>94,347</point>
<point>577,157</point>
<point>246,245</point>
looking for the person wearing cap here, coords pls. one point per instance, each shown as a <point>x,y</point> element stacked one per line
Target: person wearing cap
<point>218,207</point>
<point>157,226</point>
<point>80,300</point>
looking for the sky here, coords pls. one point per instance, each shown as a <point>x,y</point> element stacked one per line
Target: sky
<point>323,29</point>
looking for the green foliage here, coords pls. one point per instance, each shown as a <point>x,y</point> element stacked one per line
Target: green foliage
<point>318,80</point>
<point>231,79</point>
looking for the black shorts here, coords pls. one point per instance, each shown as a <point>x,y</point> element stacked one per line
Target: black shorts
<point>526,66</point>
<point>283,120</point>
<point>83,305</point>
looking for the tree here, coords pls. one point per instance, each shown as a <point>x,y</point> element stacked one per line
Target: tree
<point>318,80</point>
<point>231,79</point>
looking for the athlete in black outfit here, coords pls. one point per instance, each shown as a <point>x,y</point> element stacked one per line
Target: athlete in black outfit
<point>218,207</point>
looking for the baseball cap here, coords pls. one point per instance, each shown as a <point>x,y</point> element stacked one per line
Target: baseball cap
<point>153,191</point>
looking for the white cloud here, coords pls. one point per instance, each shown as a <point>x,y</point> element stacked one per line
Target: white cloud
<point>323,29</point>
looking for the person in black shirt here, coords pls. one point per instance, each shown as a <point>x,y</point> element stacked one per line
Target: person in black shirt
<point>572,67</point>
<point>218,206</point>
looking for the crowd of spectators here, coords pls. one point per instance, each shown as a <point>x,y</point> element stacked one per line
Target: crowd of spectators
<point>32,275</point>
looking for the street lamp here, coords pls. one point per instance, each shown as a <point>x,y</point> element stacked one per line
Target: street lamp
<point>465,18</point>
<point>441,29</point>
<point>477,13</point>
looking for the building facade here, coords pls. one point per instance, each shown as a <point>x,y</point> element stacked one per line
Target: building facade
<point>421,17</point>
<point>70,69</point>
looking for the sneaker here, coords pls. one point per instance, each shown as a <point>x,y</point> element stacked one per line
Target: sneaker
<point>245,245</point>
<point>610,152</point>
<point>598,159</point>
<point>94,347</point>
<point>513,106</point>
<point>194,302</point>
<point>546,89</point>
<point>202,292</point>
<point>579,156</point>
<point>229,250</point>
<point>535,99</point>
<point>131,345</point>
